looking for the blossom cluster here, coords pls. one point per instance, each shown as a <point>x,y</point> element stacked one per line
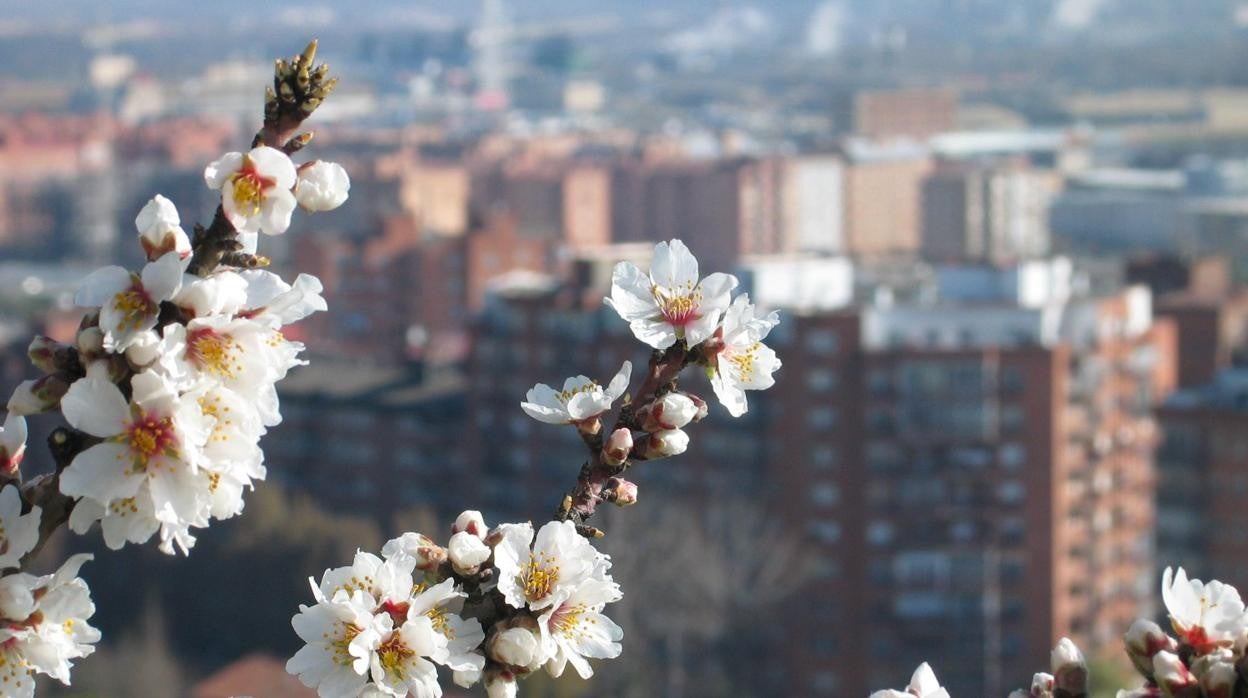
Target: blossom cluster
<point>172,375</point>
<point>1206,657</point>
<point>382,625</point>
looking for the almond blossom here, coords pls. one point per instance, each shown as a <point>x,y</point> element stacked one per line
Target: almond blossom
<point>575,629</point>
<point>671,302</point>
<point>152,441</point>
<point>43,626</point>
<point>923,684</point>
<point>12,443</point>
<point>744,363</point>
<point>341,634</point>
<point>129,303</point>
<point>160,230</point>
<point>1205,616</point>
<point>255,189</point>
<point>582,400</point>
<point>540,573</point>
<point>18,532</point>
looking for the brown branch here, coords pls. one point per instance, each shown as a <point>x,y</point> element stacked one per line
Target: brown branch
<point>595,480</point>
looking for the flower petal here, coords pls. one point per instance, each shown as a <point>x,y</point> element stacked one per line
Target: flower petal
<point>95,406</point>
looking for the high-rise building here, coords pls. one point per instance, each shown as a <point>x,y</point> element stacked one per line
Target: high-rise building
<point>972,478</point>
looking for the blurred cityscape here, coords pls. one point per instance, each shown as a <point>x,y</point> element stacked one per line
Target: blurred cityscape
<point>1008,241</point>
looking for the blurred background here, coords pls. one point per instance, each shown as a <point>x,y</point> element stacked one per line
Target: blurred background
<point>1008,241</point>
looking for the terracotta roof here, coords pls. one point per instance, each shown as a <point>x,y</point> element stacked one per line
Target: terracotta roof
<point>256,675</point>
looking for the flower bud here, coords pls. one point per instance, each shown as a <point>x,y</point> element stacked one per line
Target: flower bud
<point>466,678</point>
<point>1042,685</point>
<point>1019,693</point>
<point>472,522</point>
<point>517,647</point>
<point>322,186</point>
<point>1217,677</point>
<point>621,492</point>
<point>421,548</point>
<point>90,341</point>
<point>671,411</point>
<point>160,230</point>
<point>467,552</point>
<point>661,444</point>
<point>500,684</point>
<point>1173,676</point>
<point>12,444</point>
<point>618,446</point>
<point>1070,669</point>
<point>39,395</point>
<point>1143,640</point>
<point>144,349</point>
<point>42,353</point>
<point>699,403</point>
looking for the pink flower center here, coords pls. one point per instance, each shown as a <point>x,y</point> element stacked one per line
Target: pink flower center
<point>213,352</point>
<point>249,188</point>
<point>134,304</point>
<point>149,437</point>
<point>679,306</point>
<point>397,610</point>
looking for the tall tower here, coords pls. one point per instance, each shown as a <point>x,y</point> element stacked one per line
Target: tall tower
<point>491,56</point>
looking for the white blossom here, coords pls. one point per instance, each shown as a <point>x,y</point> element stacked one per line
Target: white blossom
<point>273,302</point>
<point>744,363</point>
<point>540,573</point>
<point>322,186</point>
<point>341,635</point>
<point>580,401</point>
<point>223,292</point>
<point>923,684</point>
<point>1204,615</point>
<point>129,303</point>
<point>160,229</point>
<point>1171,673</point>
<point>500,684</point>
<point>671,411</point>
<point>426,554</point>
<point>472,522</point>
<point>44,626</point>
<point>662,444</point>
<point>12,442</point>
<point>670,303</point>
<point>150,450</point>
<point>442,604</point>
<point>255,189</point>
<point>518,647</point>
<point>575,629</point>
<point>18,532</point>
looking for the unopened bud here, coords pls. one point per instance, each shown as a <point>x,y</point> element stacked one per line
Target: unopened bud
<point>1143,640</point>
<point>472,522</point>
<point>466,678</point>
<point>671,411</point>
<point>160,230</point>
<point>661,444</point>
<point>621,492</point>
<point>12,443</point>
<point>421,548</point>
<point>703,410</point>
<point>500,684</point>
<point>1019,693</point>
<point>90,341</point>
<point>42,353</point>
<point>1070,669</point>
<point>517,646</point>
<point>1042,685</point>
<point>1173,676</point>
<point>144,349</point>
<point>618,446</point>
<point>1217,676</point>
<point>39,395</point>
<point>467,552</point>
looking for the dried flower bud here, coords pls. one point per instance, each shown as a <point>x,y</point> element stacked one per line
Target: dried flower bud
<point>421,548</point>
<point>500,684</point>
<point>39,395</point>
<point>671,411</point>
<point>517,647</point>
<point>1173,676</point>
<point>1143,640</point>
<point>472,522</point>
<point>618,446</point>
<point>621,492</point>
<point>42,353</point>
<point>1070,669</point>
<point>670,442</point>
<point>467,552</point>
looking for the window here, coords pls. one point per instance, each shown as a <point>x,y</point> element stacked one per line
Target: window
<point>824,682</point>
<point>825,494</point>
<point>1012,456</point>
<point>821,342</point>
<point>821,380</point>
<point>879,533</point>
<point>821,418</point>
<point>825,531</point>
<point>1011,492</point>
<point>823,457</point>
